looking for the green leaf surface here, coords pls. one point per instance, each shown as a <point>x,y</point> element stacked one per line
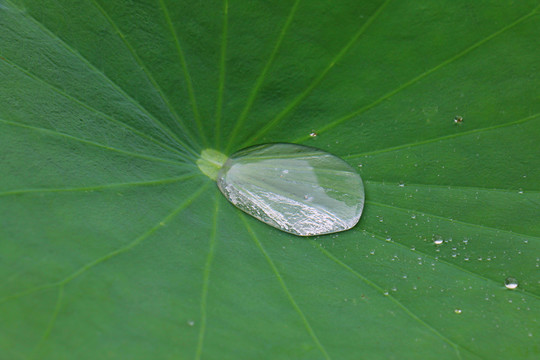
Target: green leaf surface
<point>113,245</point>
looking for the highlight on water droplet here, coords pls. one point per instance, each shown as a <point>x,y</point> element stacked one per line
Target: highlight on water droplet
<point>313,134</point>
<point>457,311</point>
<point>511,283</point>
<point>437,240</point>
<point>297,189</point>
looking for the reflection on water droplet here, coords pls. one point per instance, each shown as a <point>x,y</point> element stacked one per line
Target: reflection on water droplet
<point>320,194</point>
<point>313,134</point>
<point>437,240</point>
<point>191,322</point>
<point>385,293</point>
<point>511,283</point>
<point>401,184</point>
<point>457,311</point>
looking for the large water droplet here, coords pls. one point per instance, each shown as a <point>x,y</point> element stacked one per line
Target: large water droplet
<point>320,193</point>
<point>511,283</point>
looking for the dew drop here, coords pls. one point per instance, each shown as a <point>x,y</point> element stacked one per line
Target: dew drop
<point>511,283</point>
<point>320,194</point>
<point>191,322</point>
<point>457,311</point>
<point>401,184</point>
<point>313,134</point>
<point>437,240</point>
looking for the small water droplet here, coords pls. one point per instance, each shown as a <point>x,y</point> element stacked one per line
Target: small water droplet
<point>511,283</point>
<point>388,238</point>
<point>359,165</point>
<point>458,119</point>
<point>437,240</point>
<point>191,322</point>
<point>401,184</point>
<point>385,293</point>
<point>313,134</point>
<point>457,311</point>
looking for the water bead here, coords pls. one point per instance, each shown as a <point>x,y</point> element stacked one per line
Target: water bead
<point>297,189</point>
<point>511,283</point>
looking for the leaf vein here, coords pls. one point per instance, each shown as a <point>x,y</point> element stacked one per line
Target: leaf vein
<point>206,281</point>
<point>143,66</point>
<point>91,143</point>
<point>489,228</point>
<point>94,110</point>
<point>391,298</point>
<point>296,101</point>
<point>293,302</point>
<point>221,83</point>
<point>191,92</point>
<point>247,107</point>
<point>101,187</point>
<point>443,138</point>
<point>69,48</point>
<point>421,76</point>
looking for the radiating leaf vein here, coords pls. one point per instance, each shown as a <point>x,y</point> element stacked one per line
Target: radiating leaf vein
<point>296,101</point>
<point>148,74</point>
<point>483,227</point>
<point>444,138</point>
<point>390,297</point>
<point>206,281</point>
<point>276,272</point>
<point>421,76</point>
<point>69,48</point>
<point>102,187</point>
<point>92,143</point>
<point>94,110</point>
